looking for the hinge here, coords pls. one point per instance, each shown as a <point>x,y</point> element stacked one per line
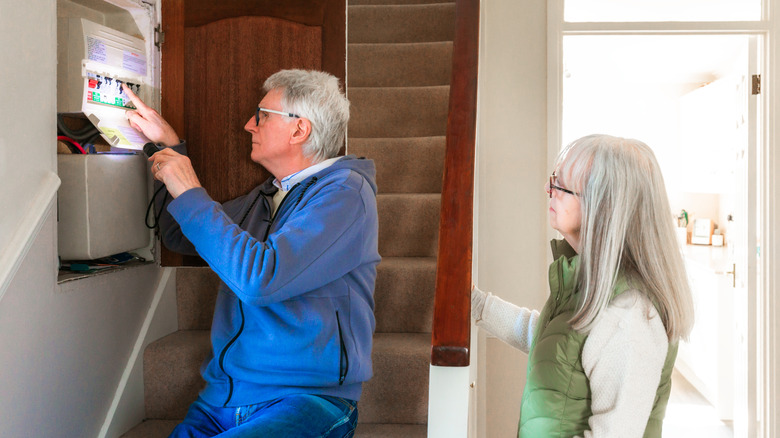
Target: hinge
<point>756,89</point>
<point>159,36</point>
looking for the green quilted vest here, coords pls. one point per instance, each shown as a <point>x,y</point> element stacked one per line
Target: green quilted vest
<point>556,399</point>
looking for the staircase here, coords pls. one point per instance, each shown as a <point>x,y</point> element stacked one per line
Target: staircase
<point>398,73</point>
<point>400,55</point>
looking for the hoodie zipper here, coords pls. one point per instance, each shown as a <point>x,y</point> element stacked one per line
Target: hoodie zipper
<point>343,357</point>
<point>240,303</point>
<point>224,352</point>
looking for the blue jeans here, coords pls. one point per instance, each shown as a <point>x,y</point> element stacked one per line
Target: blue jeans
<point>293,416</point>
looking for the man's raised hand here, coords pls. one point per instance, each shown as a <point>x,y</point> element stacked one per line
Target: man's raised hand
<point>149,121</point>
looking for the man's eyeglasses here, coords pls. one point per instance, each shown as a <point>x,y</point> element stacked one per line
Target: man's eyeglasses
<point>553,186</point>
<point>265,112</point>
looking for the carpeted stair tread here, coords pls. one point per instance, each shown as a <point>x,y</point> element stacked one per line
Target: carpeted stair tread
<point>410,23</point>
<point>398,112</point>
<point>391,431</point>
<point>398,392</point>
<point>408,224</point>
<point>404,165</point>
<point>172,373</point>
<point>154,429</point>
<point>172,376</point>
<point>404,294</point>
<point>196,295</point>
<point>399,65</point>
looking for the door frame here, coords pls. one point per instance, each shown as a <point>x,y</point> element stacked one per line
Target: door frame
<point>768,31</point>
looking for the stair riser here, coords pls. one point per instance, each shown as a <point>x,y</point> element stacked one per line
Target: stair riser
<point>398,392</point>
<point>408,225</point>
<point>196,295</point>
<point>404,295</point>
<point>413,165</point>
<point>399,65</point>
<point>398,112</point>
<point>401,23</point>
<point>172,373</point>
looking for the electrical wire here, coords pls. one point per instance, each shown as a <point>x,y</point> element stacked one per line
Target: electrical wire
<point>155,216</point>
<point>86,132</point>
<point>90,143</point>
<point>73,142</point>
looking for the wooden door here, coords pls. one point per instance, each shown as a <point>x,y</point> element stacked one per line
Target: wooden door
<point>215,58</point>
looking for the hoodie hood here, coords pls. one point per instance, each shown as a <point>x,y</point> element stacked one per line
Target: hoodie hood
<point>363,166</point>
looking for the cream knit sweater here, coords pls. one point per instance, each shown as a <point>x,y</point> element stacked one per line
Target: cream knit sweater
<point>623,356</point>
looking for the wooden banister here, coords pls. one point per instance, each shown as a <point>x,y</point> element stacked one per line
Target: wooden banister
<point>452,305</point>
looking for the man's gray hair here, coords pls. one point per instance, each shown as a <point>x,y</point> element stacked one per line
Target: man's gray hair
<point>626,230</point>
<point>316,96</point>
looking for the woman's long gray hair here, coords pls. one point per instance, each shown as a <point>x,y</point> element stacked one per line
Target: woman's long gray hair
<point>316,96</point>
<point>626,229</point>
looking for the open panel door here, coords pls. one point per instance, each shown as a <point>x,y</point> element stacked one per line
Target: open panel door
<point>215,57</point>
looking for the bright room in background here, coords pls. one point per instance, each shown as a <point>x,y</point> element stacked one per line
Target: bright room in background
<point>689,96</point>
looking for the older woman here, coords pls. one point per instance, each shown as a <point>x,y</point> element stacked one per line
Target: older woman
<point>602,350</point>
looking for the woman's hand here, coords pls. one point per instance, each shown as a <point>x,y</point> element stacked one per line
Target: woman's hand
<point>478,299</point>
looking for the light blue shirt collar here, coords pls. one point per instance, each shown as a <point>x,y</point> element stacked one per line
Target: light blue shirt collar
<point>290,180</point>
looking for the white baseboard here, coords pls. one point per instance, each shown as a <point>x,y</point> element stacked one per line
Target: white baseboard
<point>127,407</point>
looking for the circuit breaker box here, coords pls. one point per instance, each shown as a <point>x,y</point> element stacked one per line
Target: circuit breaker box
<point>95,61</point>
<point>102,199</point>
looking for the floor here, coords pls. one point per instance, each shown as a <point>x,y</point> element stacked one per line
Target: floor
<point>688,414</point>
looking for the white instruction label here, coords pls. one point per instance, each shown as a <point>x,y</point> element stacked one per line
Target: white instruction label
<point>96,50</point>
<point>134,62</point>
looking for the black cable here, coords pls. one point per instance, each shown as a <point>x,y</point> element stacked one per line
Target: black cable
<point>77,133</point>
<point>86,132</point>
<point>91,140</point>
<point>156,216</point>
<point>90,144</point>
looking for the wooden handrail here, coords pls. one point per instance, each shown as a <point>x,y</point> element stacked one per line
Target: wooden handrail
<point>452,312</point>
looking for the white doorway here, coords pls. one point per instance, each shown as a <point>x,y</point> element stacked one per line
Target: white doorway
<point>687,96</point>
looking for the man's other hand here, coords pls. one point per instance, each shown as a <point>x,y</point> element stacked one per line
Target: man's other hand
<point>149,121</point>
<point>175,171</point>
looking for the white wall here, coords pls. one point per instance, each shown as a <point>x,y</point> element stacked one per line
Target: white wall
<point>27,127</point>
<point>63,347</point>
<point>512,205</point>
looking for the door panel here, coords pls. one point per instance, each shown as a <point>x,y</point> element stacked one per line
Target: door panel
<point>226,63</point>
<point>215,58</point>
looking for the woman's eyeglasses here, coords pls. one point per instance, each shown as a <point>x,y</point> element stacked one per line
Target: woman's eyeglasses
<point>553,186</point>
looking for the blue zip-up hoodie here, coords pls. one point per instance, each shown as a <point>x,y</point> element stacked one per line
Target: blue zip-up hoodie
<point>295,309</point>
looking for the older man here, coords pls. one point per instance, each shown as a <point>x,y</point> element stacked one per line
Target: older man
<point>293,324</point>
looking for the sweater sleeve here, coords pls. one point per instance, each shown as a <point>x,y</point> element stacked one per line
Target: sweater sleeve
<point>170,231</point>
<point>319,243</point>
<point>512,324</point>
<point>623,357</point>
